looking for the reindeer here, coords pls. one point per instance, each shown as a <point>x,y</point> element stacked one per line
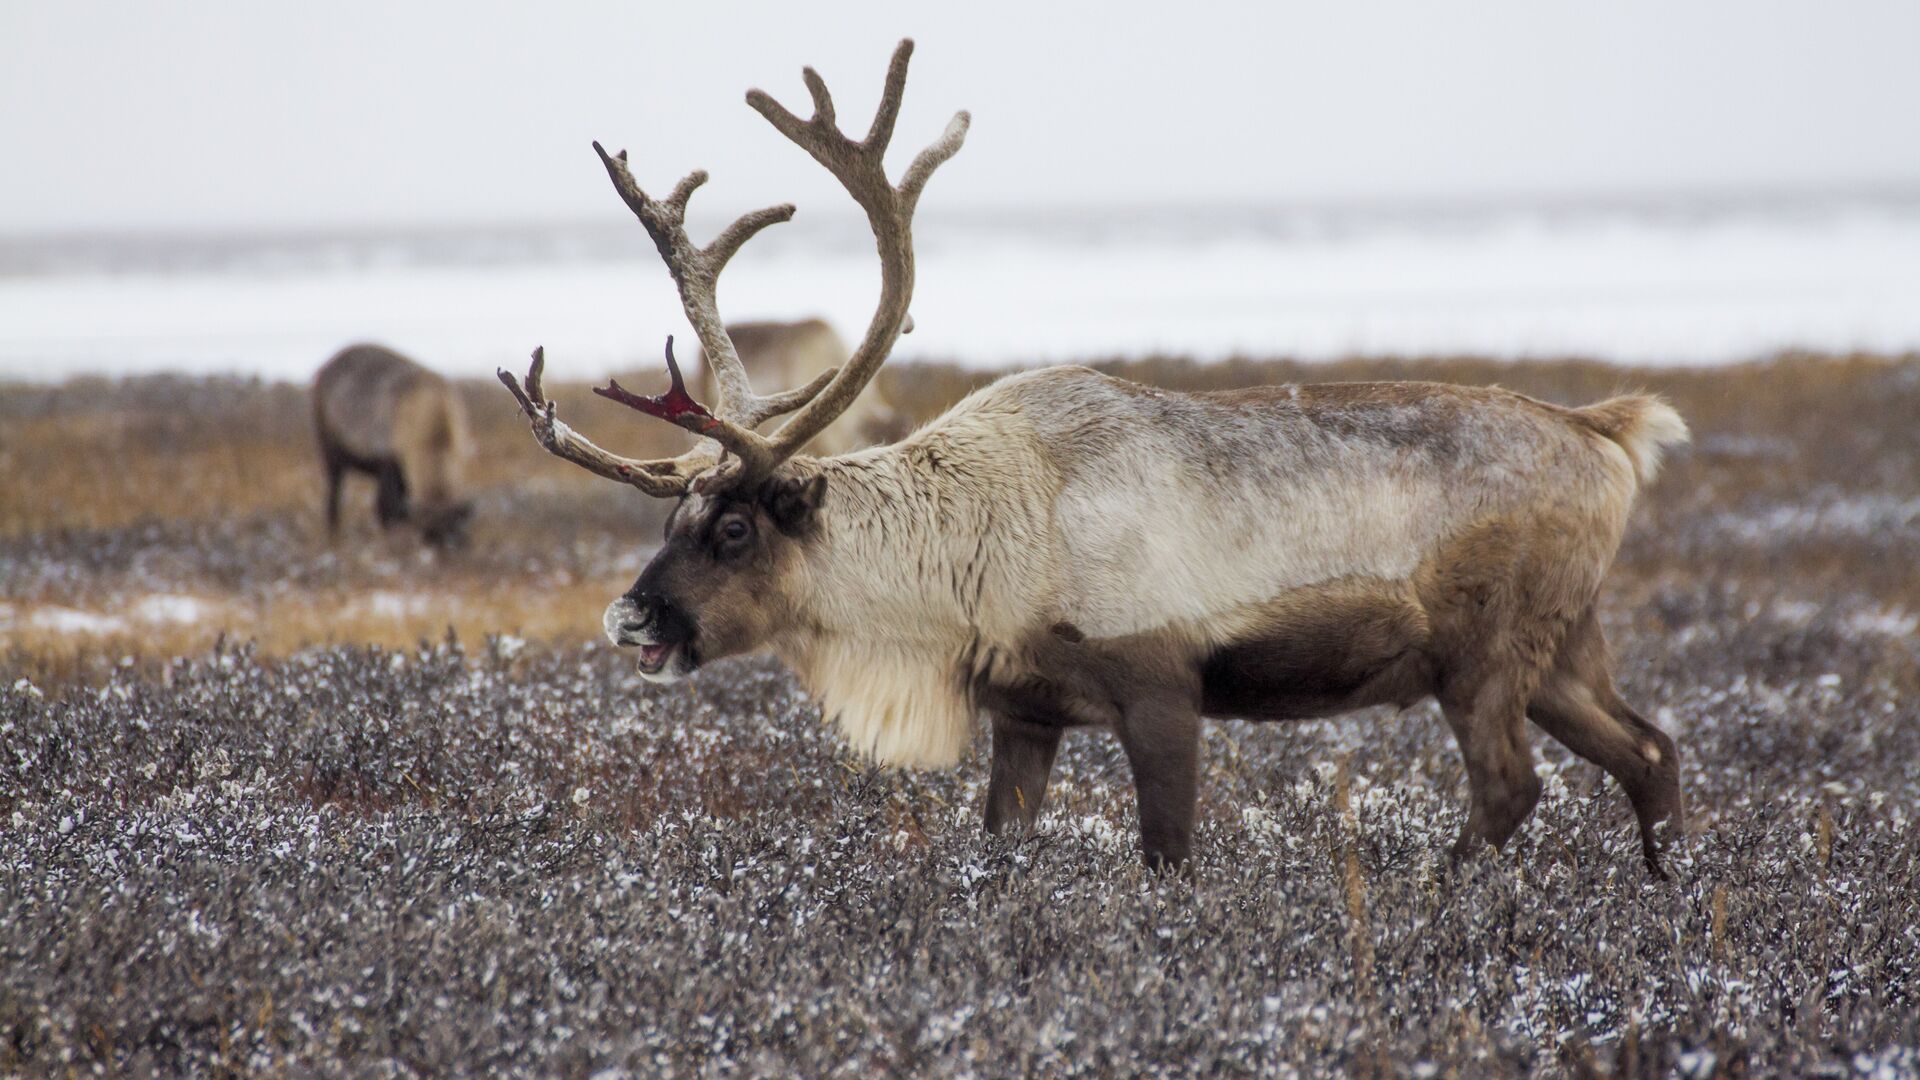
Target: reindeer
<point>379,413</point>
<point>1064,549</point>
<point>783,355</point>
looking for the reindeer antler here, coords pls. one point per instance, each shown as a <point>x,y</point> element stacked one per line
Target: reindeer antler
<point>730,425</point>
<point>861,169</point>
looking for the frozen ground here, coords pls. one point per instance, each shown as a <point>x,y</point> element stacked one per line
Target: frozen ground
<point>1685,283</point>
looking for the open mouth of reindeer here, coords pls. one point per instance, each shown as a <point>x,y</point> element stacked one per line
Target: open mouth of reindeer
<point>656,636</point>
<point>671,657</point>
<point>655,657</point>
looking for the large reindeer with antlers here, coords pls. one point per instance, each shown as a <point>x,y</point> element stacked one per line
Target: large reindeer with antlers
<point>1067,549</point>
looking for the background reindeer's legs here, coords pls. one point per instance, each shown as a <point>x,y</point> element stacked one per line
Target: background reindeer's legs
<point>1577,705</point>
<point>1490,724</point>
<point>1161,737</point>
<point>1023,755</point>
<point>390,505</point>
<point>336,469</point>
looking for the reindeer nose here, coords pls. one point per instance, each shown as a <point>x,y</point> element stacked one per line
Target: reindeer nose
<point>643,610</point>
<point>629,617</point>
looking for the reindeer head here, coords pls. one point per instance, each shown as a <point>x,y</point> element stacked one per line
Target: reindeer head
<point>722,583</point>
<point>446,526</point>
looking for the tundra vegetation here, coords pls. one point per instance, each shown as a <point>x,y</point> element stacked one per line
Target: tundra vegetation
<point>338,843</point>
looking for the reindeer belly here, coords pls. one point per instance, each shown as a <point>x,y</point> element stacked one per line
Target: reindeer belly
<point>1321,650</point>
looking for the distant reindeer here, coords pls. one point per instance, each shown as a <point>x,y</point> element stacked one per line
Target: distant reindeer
<point>1066,549</point>
<point>379,413</point>
<point>785,355</point>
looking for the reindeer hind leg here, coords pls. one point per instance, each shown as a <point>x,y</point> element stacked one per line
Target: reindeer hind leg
<point>1578,705</point>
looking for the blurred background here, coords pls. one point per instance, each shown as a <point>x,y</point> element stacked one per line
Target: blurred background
<point>244,188</point>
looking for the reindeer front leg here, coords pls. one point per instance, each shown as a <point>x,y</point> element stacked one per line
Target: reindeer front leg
<point>1022,762</point>
<point>1161,736</point>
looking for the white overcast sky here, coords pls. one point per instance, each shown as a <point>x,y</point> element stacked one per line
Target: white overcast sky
<point>237,115</point>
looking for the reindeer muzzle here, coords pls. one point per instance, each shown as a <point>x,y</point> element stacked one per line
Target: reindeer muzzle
<point>654,627</point>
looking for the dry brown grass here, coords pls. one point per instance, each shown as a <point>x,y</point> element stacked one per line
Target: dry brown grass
<point>50,656</point>
<point>115,490</point>
<point>102,472</point>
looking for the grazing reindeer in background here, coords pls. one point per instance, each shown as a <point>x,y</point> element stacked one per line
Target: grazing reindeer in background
<point>1065,549</point>
<point>379,413</point>
<point>784,355</point>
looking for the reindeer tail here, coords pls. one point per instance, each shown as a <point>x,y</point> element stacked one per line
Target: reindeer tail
<point>1643,425</point>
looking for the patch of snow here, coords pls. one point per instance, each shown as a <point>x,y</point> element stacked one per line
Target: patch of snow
<point>1885,622</point>
<point>171,608</point>
<point>395,605</point>
<point>66,620</point>
<point>1795,612</point>
<point>1850,517</point>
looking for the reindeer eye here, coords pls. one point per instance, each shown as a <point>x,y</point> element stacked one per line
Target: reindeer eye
<point>735,530</point>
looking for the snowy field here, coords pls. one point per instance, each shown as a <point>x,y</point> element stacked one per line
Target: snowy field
<point>439,860</point>
<point>1656,284</point>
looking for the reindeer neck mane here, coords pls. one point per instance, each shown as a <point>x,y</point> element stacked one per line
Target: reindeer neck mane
<point>927,555</point>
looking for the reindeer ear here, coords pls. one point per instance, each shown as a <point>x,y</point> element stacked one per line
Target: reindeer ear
<point>793,501</point>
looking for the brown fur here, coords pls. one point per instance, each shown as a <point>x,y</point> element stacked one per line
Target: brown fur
<point>379,413</point>
<point>1500,628</point>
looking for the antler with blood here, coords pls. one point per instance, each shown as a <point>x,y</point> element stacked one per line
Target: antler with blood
<point>728,429</point>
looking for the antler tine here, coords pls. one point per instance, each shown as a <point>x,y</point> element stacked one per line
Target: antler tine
<point>678,407</point>
<point>788,400</point>
<point>683,190</point>
<point>860,168</point>
<point>929,159</point>
<point>723,246</point>
<point>881,131</point>
<point>822,100</point>
<point>532,401</point>
<point>666,477</point>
